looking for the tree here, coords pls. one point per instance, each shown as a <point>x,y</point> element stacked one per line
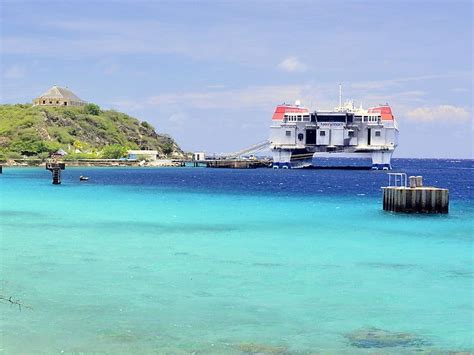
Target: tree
<point>113,151</point>
<point>167,148</point>
<point>92,109</point>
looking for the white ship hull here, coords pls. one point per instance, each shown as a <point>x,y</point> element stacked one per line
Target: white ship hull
<point>297,135</point>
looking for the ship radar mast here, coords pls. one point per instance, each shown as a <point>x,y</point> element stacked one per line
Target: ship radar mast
<point>340,95</point>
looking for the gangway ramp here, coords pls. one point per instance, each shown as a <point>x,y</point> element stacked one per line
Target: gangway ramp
<point>255,148</point>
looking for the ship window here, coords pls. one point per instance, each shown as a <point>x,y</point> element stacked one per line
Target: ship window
<point>300,136</point>
<point>299,118</point>
<point>322,133</point>
<point>377,133</point>
<point>332,118</point>
<point>288,133</point>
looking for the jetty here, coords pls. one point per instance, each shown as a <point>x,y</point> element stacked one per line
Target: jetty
<point>228,163</point>
<point>399,196</point>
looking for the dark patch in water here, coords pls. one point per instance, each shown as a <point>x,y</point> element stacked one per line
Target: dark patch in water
<point>119,337</point>
<point>379,338</point>
<point>232,262</point>
<point>128,227</point>
<point>267,264</point>
<point>460,273</point>
<point>202,294</point>
<point>28,214</point>
<point>252,348</point>
<point>161,228</point>
<point>181,253</point>
<point>395,266</point>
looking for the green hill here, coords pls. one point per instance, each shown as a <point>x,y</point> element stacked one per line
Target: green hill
<point>83,132</point>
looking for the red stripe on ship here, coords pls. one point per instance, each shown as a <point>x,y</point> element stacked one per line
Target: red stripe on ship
<point>385,112</point>
<point>282,109</point>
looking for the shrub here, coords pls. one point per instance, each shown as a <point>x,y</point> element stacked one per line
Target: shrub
<point>167,148</point>
<point>146,125</point>
<point>113,151</point>
<point>92,109</point>
<point>75,156</point>
<point>13,155</point>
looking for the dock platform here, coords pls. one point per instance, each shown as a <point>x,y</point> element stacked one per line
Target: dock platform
<point>227,163</point>
<point>415,198</point>
<point>418,199</point>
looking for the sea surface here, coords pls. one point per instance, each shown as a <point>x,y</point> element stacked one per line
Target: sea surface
<point>195,260</point>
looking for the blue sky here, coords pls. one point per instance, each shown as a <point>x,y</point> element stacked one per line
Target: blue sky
<point>210,73</point>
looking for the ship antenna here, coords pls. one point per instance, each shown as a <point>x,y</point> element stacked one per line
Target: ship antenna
<point>340,95</point>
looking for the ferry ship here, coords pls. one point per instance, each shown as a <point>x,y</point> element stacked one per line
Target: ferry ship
<point>297,135</point>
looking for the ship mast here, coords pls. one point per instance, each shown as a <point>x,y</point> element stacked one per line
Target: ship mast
<point>340,95</point>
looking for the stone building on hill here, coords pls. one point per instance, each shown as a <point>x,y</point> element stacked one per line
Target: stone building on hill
<point>58,96</point>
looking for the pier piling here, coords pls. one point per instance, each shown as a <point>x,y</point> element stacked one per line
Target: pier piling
<point>55,169</point>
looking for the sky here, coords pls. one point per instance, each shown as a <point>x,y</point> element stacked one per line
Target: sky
<point>210,73</point>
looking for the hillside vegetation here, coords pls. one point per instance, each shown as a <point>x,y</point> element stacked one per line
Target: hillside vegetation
<point>83,132</point>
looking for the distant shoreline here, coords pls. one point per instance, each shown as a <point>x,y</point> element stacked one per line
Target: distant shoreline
<point>161,163</point>
<point>94,163</point>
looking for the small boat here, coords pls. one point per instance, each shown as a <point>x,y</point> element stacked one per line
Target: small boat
<point>83,178</point>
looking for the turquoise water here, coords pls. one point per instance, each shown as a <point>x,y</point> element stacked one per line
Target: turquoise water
<point>227,261</point>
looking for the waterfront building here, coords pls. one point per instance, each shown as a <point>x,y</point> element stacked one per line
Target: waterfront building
<point>150,155</point>
<point>198,156</point>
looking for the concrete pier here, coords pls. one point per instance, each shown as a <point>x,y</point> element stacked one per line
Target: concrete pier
<point>416,198</point>
<point>227,163</point>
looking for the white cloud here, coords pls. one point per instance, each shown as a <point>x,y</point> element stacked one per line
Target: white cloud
<point>111,69</point>
<point>178,119</point>
<point>441,112</point>
<point>256,97</point>
<point>92,38</point>
<point>14,72</point>
<point>292,64</point>
<point>382,84</point>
